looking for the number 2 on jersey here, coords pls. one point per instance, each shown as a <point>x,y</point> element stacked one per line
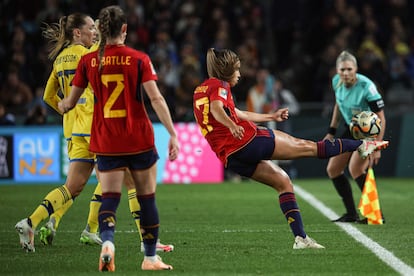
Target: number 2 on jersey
<point>119,88</point>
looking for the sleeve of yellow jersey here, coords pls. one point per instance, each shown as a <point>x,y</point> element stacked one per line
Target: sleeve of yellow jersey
<point>51,92</point>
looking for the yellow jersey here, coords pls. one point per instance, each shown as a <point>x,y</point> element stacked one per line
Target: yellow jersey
<point>77,121</point>
<point>84,108</point>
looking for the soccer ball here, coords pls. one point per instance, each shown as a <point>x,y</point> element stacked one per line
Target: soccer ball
<point>365,125</point>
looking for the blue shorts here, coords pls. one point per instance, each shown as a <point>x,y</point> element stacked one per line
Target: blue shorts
<point>139,161</point>
<point>245,160</point>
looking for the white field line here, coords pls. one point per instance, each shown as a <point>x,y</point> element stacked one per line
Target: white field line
<point>383,254</point>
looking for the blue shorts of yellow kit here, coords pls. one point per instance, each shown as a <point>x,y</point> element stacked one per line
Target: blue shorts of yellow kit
<point>78,150</point>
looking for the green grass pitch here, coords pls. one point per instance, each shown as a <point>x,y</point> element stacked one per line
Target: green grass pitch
<point>217,229</point>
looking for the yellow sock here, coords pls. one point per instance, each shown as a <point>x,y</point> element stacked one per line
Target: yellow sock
<point>54,200</point>
<point>57,215</point>
<point>94,205</point>
<point>134,207</point>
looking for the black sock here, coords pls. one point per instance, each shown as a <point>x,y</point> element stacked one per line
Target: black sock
<point>343,187</point>
<point>360,180</point>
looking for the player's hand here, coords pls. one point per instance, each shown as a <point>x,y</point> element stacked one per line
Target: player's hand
<point>329,137</point>
<point>173,148</point>
<point>375,157</point>
<point>62,107</point>
<point>237,132</point>
<point>281,114</point>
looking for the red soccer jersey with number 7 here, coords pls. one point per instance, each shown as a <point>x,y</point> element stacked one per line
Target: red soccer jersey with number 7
<point>219,136</point>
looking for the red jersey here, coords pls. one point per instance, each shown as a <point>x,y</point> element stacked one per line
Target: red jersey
<point>219,136</point>
<point>120,123</point>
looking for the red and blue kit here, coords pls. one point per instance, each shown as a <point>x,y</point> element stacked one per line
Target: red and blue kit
<point>119,105</point>
<point>219,136</point>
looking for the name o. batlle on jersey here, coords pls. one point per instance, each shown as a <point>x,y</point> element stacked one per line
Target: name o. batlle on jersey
<point>112,60</point>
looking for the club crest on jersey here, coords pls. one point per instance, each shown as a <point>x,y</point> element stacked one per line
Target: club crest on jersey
<point>223,93</point>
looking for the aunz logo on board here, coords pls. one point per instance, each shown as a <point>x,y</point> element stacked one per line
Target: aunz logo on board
<point>37,157</point>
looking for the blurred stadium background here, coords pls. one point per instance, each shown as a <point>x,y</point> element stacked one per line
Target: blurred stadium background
<point>297,41</point>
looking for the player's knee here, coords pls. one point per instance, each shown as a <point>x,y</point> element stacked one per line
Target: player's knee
<point>329,172</point>
<point>75,188</point>
<point>332,171</point>
<point>355,172</point>
<point>282,183</point>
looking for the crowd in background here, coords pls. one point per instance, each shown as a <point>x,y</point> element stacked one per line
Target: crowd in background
<point>297,41</point>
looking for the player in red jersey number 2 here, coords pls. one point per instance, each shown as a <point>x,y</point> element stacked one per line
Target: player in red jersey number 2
<point>122,135</point>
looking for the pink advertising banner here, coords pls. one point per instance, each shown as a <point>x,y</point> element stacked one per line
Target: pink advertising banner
<point>196,163</point>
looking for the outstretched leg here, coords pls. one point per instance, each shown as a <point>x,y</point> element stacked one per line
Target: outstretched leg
<point>289,147</point>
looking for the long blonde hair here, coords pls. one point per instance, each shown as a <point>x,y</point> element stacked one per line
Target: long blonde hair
<point>60,35</point>
<point>222,64</point>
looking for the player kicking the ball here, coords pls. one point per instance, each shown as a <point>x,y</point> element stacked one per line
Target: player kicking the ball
<point>247,149</point>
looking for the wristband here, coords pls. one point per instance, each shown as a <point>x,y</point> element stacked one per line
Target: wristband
<point>332,130</point>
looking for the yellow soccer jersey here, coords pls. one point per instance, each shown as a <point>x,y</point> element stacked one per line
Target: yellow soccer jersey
<point>94,47</point>
<point>60,79</point>
<point>84,110</point>
<point>83,114</point>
